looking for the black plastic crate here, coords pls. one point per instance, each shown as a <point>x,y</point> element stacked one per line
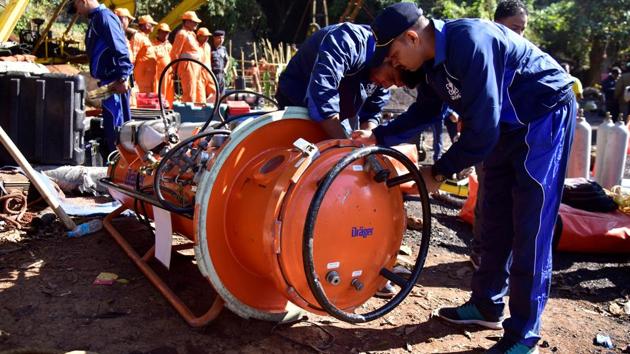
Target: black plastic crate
<point>43,115</point>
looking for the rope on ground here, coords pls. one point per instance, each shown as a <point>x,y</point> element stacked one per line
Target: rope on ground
<point>12,210</point>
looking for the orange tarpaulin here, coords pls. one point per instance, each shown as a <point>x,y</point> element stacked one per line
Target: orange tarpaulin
<point>582,231</point>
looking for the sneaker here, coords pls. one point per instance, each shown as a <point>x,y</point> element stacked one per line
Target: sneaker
<point>469,314</point>
<point>507,346</point>
<point>387,292</point>
<point>475,260</point>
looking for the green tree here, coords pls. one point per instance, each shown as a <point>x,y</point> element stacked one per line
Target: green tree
<point>584,31</point>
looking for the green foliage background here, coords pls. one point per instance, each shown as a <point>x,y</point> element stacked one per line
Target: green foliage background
<point>590,34</point>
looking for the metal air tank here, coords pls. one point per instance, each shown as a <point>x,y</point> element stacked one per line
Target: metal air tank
<point>580,157</point>
<point>602,133</point>
<point>614,161</point>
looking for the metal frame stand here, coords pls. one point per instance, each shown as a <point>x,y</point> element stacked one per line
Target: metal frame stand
<point>154,278</point>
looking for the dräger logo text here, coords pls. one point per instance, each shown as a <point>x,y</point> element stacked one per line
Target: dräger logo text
<point>361,231</point>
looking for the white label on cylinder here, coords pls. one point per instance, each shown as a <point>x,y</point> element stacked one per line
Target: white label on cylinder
<point>357,168</point>
<point>357,273</point>
<point>333,265</point>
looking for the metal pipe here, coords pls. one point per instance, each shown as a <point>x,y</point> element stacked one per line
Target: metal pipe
<point>162,287</point>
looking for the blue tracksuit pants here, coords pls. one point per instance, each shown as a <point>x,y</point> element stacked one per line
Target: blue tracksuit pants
<point>523,187</point>
<point>116,111</point>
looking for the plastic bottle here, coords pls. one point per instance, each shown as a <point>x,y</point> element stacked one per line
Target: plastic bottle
<point>87,228</point>
<point>615,155</point>
<point>602,134</point>
<point>580,157</point>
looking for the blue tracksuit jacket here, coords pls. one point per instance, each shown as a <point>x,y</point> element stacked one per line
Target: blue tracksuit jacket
<point>329,75</point>
<point>109,61</point>
<point>519,83</point>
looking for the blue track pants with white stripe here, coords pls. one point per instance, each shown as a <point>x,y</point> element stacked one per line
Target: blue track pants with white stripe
<point>523,187</point>
<point>116,111</point>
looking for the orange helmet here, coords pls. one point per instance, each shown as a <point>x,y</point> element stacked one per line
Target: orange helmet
<point>191,15</point>
<point>123,12</point>
<point>146,19</point>
<point>163,27</point>
<point>203,32</point>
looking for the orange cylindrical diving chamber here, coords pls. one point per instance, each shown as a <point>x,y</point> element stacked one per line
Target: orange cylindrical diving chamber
<point>267,200</point>
<point>251,208</point>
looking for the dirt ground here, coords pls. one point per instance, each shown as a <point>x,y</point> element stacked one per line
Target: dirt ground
<point>48,303</point>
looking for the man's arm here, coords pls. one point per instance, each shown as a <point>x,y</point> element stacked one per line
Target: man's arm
<point>481,78</point>
<point>178,45</point>
<point>371,111</point>
<point>422,113</point>
<point>337,54</point>
<point>109,29</point>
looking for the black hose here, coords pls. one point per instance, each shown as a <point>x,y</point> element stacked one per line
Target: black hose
<point>216,98</point>
<point>314,282</point>
<point>158,171</point>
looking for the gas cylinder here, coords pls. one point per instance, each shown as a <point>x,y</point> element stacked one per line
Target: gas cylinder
<point>614,155</point>
<point>602,134</point>
<point>580,157</point>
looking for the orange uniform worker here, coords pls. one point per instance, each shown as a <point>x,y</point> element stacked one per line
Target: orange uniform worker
<point>162,48</point>
<point>186,46</point>
<point>207,83</point>
<point>125,18</point>
<point>144,65</point>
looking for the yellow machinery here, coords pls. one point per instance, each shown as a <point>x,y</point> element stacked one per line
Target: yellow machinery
<point>10,16</point>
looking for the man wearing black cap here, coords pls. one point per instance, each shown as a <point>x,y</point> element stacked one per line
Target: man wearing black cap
<point>329,75</point>
<point>518,111</point>
<point>107,50</point>
<point>220,59</point>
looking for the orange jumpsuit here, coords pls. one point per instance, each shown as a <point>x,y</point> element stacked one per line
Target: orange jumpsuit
<point>207,82</point>
<point>144,65</point>
<point>133,92</point>
<point>163,58</point>
<point>186,46</point>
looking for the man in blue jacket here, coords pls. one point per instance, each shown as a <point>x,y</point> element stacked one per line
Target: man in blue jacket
<point>329,75</point>
<point>518,111</point>
<point>109,63</point>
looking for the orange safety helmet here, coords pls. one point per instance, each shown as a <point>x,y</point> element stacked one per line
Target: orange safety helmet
<point>163,27</point>
<point>191,15</point>
<point>146,19</point>
<point>203,32</point>
<point>123,12</point>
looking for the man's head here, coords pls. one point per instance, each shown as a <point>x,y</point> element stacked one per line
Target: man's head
<point>146,23</point>
<point>513,15</point>
<point>404,36</point>
<point>125,16</point>
<point>162,31</point>
<point>386,75</point>
<point>82,7</point>
<point>615,72</point>
<point>218,37</point>
<point>190,20</point>
<point>202,35</point>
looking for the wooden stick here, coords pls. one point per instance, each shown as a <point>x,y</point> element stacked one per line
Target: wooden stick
<point>36,180</point>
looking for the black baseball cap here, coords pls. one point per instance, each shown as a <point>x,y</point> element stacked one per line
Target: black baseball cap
<point>391,23</point>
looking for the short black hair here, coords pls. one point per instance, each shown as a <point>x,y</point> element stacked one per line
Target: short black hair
<point>509,8</point>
